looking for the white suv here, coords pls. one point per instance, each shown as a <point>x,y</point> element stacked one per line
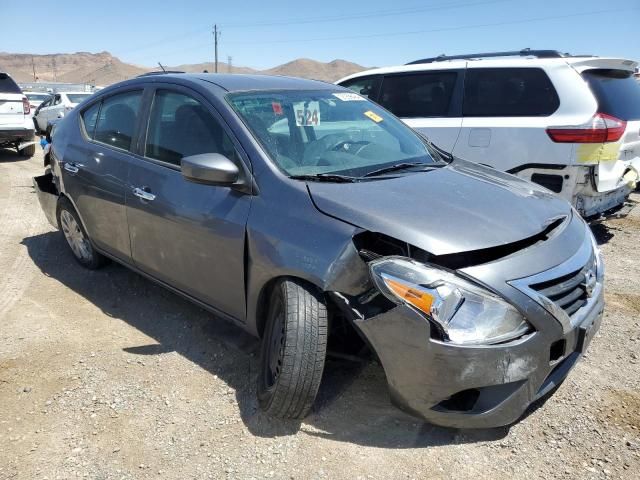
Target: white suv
<point>16,127</point>
<point>569,123</point>
<point>56,107</point>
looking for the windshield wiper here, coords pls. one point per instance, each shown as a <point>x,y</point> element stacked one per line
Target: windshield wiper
<point>396,167</point>
<point>325,177</point>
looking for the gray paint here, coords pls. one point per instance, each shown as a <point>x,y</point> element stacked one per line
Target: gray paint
<point>222,246</point>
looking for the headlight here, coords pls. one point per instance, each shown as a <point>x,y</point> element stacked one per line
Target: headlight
<point>466,314</point>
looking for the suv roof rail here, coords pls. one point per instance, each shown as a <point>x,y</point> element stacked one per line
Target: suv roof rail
<point>160,72</point>
<point>526,52</point>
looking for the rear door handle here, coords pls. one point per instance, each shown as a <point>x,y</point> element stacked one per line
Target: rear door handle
<point>71,168</point>
<point>144,194</point>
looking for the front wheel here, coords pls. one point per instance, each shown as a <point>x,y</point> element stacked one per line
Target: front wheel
<point>77,238</point>
<point>294,347</point>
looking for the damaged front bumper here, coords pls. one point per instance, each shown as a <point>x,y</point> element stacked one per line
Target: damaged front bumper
<point>473,386</point>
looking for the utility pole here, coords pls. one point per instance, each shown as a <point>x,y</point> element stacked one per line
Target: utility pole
<point>33,65</point>
<point>216,36</point>
<point>55,73</point>
<point>229,63</point>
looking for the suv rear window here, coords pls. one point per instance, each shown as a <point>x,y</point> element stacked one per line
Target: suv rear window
<point>418,94</point>
<point>7,85</point>
<point>616,91</point>
<point>508,92</point>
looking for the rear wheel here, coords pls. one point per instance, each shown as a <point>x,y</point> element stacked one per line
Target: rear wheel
<point>293,352</point>
<point>29,151</point>
<point>77,238</point>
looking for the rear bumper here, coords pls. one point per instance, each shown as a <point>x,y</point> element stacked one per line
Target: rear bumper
<point>47,196</point>
<point>473,387</point>
<point>596,204</point>
<point>13,135</point>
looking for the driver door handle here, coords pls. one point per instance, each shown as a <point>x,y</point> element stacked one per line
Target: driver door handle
<point>144,194</point>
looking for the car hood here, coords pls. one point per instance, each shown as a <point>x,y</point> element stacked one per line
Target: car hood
<point>457,208</point>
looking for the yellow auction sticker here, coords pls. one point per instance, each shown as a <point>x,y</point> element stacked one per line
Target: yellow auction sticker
<point>376,118</point>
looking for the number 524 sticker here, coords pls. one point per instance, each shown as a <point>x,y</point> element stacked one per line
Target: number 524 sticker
<point>307,114</point>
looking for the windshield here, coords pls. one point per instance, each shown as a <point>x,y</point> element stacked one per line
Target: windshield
<point>37,97</point>
<point>324,132</point>
<point>77,97</point>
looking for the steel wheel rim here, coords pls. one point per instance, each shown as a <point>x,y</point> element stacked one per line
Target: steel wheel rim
<point>74,235</point>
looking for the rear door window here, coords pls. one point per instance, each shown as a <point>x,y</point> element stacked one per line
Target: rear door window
<point>508,92</point>
<point>617,92</point>
<point>414,95</point>
<point>117,120</point>
<point>7,85</point>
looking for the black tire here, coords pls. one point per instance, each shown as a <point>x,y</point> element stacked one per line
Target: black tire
<point>29,151</point>
<point>294,347</point>
<point>72,229</point>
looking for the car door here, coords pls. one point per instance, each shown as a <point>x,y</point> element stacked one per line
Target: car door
<point>56,107</point>
<point>506,112</point>
<point>41,114</point>
<point>95,168</point>
<point>188,235</point>
<point>427,101</point>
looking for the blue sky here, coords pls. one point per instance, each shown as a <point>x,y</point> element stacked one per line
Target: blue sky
<point>263,34</point>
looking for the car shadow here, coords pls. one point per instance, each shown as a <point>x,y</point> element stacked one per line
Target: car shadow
<point>352,404</point>
<point>10,155</point>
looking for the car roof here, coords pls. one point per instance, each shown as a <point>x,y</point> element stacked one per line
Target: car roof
<point>497,62</point>
<point>242,82</point>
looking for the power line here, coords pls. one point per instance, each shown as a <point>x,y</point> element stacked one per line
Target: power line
<point>436,30</point>
<point>325,19</point>
<point>379,13</point>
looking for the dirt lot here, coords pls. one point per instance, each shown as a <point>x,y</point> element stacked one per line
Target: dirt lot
<point>105,375</point>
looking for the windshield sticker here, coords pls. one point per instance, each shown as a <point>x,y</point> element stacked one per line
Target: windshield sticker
<point>376,118</point>
<point>307,114</point>
<point>349,97</point>
<point>277,108</point>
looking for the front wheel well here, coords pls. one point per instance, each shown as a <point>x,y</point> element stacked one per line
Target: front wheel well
<point>342,335</point>
<point>263,299</point>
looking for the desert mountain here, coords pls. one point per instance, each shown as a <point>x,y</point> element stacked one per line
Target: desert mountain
<point>103,68</point>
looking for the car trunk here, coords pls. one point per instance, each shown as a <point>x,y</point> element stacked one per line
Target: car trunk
<point>11,109</point>
<point>618,96</point>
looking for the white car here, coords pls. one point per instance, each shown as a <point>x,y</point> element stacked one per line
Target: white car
<point>569,123</point>
<point>35,99</point>
<point>16,127</point>
<point>56,107</point>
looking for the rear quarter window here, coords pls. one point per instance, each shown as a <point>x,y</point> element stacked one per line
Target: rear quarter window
<point>617,92</point>
<point>508,92</point>
<point>7,85</point>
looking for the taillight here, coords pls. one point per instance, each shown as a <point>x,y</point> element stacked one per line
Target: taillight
<point>25,106</point>
<point>600,129</point>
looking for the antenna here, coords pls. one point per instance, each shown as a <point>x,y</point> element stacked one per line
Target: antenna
<point>163,69</point>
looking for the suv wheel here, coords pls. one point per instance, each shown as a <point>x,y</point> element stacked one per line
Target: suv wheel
<point>29,151</point>
<point>293,352</point>
<point>77,238</point>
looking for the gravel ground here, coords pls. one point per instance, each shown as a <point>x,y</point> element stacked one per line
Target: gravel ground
<point>105,375</point>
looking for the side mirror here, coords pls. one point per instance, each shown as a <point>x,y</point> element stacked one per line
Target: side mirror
<point>210,168</point>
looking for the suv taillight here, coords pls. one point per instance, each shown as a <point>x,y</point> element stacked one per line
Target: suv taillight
<point>25,105</point>
<point>600,129</point>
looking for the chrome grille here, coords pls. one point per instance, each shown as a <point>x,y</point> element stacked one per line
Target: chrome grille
<point>569,291</point>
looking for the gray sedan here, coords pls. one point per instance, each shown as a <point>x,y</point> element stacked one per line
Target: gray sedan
<point>310,217</point>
